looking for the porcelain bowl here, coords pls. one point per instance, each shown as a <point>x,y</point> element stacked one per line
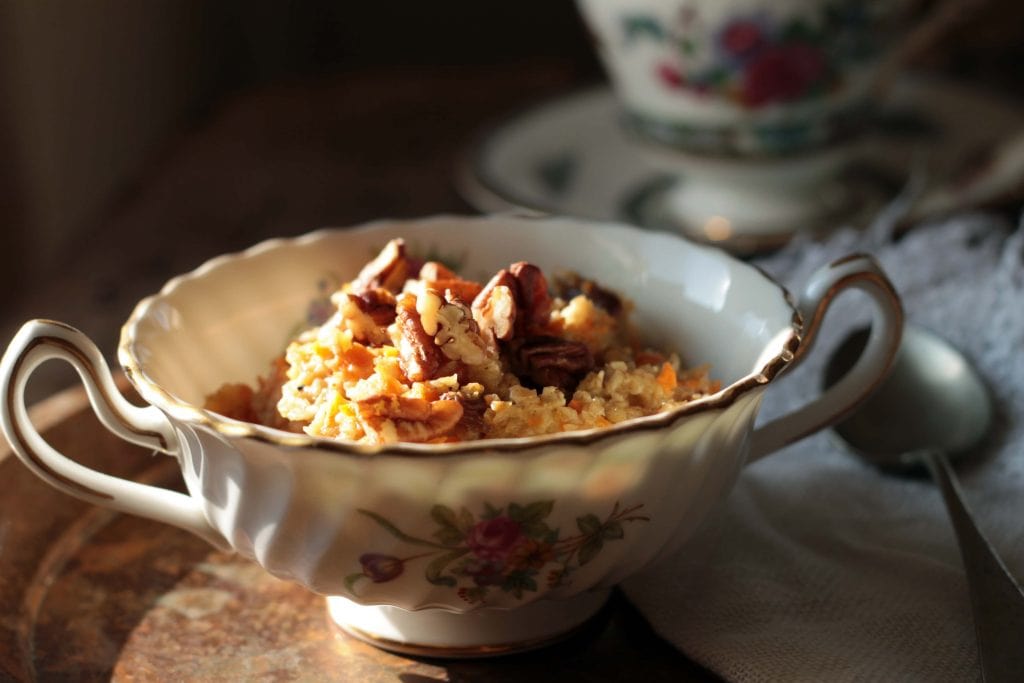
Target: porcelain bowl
<point>531,531</point>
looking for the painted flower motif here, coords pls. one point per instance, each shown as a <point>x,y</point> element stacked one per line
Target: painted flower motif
<point>510,549</point>
<point>492,539</point>
<point>755,60</point>
<point>742,38</point>
<point>530,554</point>
<point>782,73</point>
<point>483,572</point>
<point>670,75</point>
<point>380,568</point>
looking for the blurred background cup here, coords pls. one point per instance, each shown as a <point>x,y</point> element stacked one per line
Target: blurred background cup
<point>758,105</point>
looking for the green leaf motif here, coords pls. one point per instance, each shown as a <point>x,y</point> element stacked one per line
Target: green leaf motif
<point>640,26</point>
<point>589,525</point>
<point>539,531</point>
<point>799,31</point>
<point>443,515</point>
<point>589,550</point>
<point>398,533</point>
<point>490,512</point>
<point>612,531</point>
<point>465,522</point>
<point>449,536</point>
<point>518,582</point>
<point>434,570</point>
<point>451,530</point>
<point>531,514</point>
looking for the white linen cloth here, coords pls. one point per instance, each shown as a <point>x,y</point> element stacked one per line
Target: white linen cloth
<point>820,568</point>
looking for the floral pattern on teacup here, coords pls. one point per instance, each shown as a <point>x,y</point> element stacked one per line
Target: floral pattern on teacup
<point>757,60</point>
<point>507,549</point>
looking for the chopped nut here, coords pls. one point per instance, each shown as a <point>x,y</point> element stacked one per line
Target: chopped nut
<point>389,270</point>
<point>420,358</point>
<point>464,290</point>
<point>435,270</point>
<point>551,361</point>
<point>377,303</point>
<point>439,277</point>
<point>534,299</point>
<point>408,419</point>
<point>366,314</point>
<point>494,308</point>
<point>428,307</point>
<point>458,335</point>
<point>570,285</point>
<point>471,424</point>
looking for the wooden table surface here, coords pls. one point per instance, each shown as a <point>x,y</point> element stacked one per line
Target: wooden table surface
<point>91,595</point>
<point>280,160</point>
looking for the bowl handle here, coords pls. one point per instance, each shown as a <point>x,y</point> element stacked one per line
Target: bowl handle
<point>41,340</point>
<point>857,271</point>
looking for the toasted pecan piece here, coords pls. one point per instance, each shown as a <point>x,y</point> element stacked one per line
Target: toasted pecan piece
<point>553,361</point>
<point>418,355</point>
<point>378,303</point>
<point>458,335</point>
<point>570,285</point>
<point>438,276</point>
<point>389,270</point>
<point>435,270</point>
<point>495,308</point>
<point>534,300</point>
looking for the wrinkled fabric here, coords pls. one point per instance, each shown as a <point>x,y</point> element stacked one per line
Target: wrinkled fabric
<point>820,567</point>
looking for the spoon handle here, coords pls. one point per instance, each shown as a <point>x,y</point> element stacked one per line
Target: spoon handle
<point>996,600</point>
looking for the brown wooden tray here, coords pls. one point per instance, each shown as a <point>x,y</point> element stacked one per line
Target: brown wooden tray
<point>87,594</point>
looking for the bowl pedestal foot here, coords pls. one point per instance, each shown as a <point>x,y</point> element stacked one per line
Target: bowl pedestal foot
<point>481,633</point>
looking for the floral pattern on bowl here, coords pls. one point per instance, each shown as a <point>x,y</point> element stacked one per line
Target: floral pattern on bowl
<point>755,60</point>
<point>743,78</point>
<point>503,549</point>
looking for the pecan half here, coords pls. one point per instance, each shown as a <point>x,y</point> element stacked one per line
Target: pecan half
<point>552,361</point>
<point>389,270</point>
<point>471,424</point>
<point>413,419</point>
<point>534,299</point>
<point>377,303</point>
<point>494,308</point>
<point>419,357</point>
<point>458,335</point>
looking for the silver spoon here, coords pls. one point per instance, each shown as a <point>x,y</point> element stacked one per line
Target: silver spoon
<point>933,407</point>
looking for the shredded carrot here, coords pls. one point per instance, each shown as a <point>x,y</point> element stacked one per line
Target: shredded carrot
<point>667,378</point>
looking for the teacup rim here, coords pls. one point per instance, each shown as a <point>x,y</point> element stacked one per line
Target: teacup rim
<point>189,413</point>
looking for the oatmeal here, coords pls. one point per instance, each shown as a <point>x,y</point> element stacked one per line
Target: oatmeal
<point>414,352</point>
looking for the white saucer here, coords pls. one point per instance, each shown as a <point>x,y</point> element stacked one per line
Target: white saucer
<point>569,156</point>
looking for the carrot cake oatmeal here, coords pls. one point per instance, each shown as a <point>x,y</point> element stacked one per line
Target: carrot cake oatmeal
<point>414,352</point>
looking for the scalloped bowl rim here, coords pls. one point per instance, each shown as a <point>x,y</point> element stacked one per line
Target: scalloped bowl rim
<point>187,412</point>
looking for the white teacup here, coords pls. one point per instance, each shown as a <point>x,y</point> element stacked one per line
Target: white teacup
<point>758,106</point>
<point>455,549</point>
<point>743,77</point>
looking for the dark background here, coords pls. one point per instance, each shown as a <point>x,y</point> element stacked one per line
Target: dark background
<point>140,138</point>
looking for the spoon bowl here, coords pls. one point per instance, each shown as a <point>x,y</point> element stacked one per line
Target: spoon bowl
<point>931,407</point>
<point>931,400</point>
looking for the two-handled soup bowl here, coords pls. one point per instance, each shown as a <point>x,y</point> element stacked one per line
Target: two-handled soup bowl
<point>456,549</point>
